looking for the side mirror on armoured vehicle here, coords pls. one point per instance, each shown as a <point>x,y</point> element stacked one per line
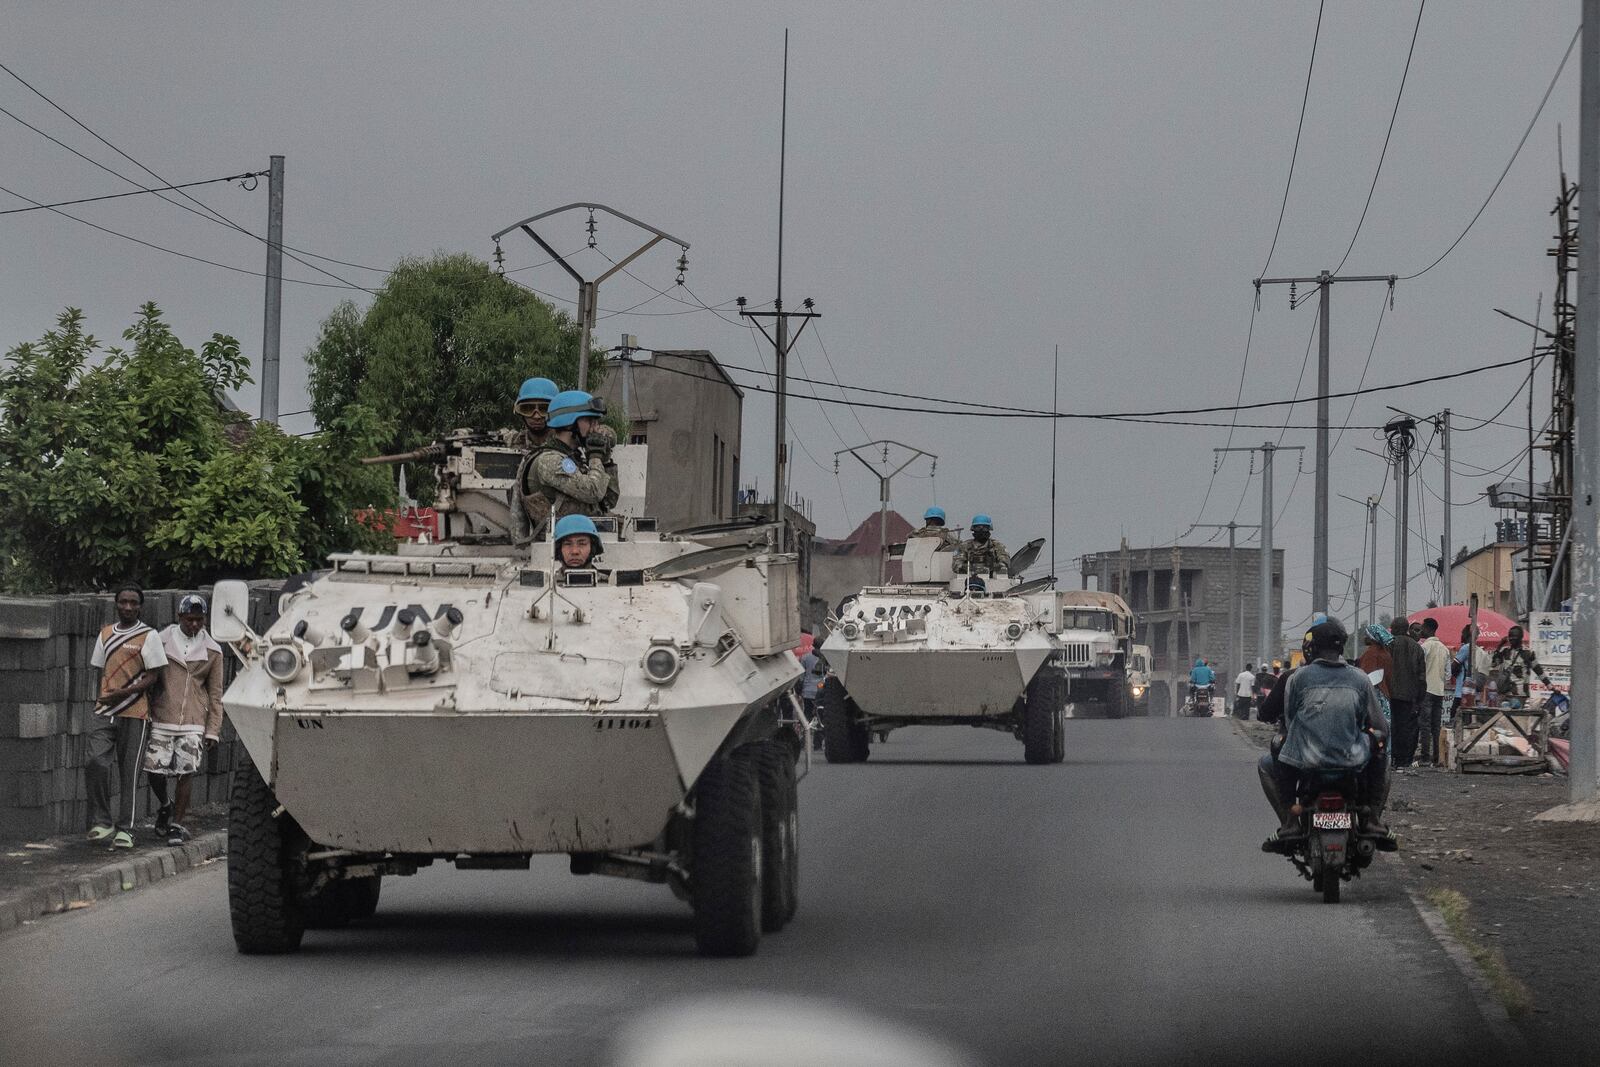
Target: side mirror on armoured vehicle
<point>230,611</point>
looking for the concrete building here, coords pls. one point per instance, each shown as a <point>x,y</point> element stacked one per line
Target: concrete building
<point>686,408</point>
<point>1491,573</point>
<point>1185,603</point>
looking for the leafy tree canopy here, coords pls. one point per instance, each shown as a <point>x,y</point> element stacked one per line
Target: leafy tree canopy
<point>445,344</point>
<point>122,464</point>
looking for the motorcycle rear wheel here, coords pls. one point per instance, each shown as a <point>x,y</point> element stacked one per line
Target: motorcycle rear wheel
<point>1330,887</point>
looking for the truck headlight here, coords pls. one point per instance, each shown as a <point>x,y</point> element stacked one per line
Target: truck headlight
<point>283,662</point>
<point>661,664</point>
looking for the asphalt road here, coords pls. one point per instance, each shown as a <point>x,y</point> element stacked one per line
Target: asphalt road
<point>1114,909</point>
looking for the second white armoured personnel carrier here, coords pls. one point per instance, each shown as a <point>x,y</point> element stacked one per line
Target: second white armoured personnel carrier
<point>942,649</point>
<point>475,704</point>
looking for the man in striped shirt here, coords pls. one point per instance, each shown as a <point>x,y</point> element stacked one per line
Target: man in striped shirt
<point>130,659</point>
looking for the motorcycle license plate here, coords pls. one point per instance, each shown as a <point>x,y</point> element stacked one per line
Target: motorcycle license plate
<point>1330,820</point>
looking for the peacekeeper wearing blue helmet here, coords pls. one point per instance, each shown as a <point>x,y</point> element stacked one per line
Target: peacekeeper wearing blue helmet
<point>571,473</point>
<point>533,407</point>
<point>933,526</point>
<point>982,554</point>
<point>577,543</point>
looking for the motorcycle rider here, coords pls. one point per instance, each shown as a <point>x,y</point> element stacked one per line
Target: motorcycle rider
<point>933,526</point>
<point>1202,677</point>
<point>982,553</point>
<point>1330,719</point>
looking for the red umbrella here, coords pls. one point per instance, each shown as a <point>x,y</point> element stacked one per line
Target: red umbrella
<point>805,645</point>
<point>1452,619</point>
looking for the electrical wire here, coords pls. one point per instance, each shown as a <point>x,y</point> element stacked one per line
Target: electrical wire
<point>131,192</point>
<point>1514,153</point>
<point>832,370</point>
<point>1305,97</point>
<point>1387,135</point>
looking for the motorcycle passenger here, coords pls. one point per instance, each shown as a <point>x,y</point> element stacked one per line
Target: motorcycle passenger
<point>1331,720</point>
<point>577,543</point>
<point>933,526</point>
<point>982,553</point>
<point>1201,679</point>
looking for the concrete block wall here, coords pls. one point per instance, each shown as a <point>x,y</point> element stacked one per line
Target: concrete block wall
<point>47,693</point>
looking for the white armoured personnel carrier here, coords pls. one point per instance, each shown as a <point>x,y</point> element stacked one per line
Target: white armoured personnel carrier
<point>478,705</point>
<point>943,649</point>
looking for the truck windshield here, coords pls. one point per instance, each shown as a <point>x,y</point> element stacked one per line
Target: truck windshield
<point>1085,619</point>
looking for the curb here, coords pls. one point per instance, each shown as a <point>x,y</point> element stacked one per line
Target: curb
<point>134,872</point>
<point>1489,1006</point>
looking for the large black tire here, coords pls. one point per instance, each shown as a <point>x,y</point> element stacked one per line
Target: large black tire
<point>1117,702</point>
<point>844,738</point>
<point>263,873</point>
<point>1041,721</point>
<point>780,834</point>
<point>725,876</point>
<point>1330,887</point>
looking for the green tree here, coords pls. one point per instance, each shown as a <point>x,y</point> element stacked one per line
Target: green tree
<point>445,344</point>
<point>122,464</point>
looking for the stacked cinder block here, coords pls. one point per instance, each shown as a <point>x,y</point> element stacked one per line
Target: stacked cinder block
<point>47,694</point>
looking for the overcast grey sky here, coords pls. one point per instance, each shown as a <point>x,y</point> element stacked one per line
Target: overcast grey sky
<point>968,185</point>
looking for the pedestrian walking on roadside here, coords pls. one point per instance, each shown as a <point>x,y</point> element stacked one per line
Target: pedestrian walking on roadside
<point>185,715</point>
<point>1244,687</point>
<point>1406,689</point>
<point>1436,677</point>
<point>810,684</point>
<point>130,658</point>
<point>1375,657</point>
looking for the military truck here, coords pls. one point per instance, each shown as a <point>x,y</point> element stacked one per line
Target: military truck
<point>942,649</point>
<point>1095,633</point>
<point>468,703</point>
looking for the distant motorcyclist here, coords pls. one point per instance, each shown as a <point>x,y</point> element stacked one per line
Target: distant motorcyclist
<point>1201,674</point>
<point>933,526</point>
<point>1330,720</point>
<point>982,554</point>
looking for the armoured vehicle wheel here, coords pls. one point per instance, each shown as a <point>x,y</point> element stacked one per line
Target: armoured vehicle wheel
<point>1041,721</point>
<point>1117,702</point>
<point>844,740</point>
<point>726,873</point>
<point>780,834</point>
<point>262,901</point>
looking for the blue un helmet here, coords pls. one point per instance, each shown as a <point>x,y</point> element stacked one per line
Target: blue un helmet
<point>932,514</point>
<point>576,526</point>
<point>534,390</point>
<point>983,520</point>
<point>568,407</point>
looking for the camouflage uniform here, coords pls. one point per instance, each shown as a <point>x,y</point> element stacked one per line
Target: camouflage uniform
<point>524,519</point>
<point>983,558</point>
<point>930,530</point>
<point>1510,667</point>
<point>560,480</point>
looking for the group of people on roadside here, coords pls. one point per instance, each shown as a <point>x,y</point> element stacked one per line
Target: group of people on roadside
<point>1252,685</point>
<point>159,710</point>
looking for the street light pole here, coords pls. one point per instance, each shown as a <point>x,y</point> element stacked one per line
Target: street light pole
<point>589,288</point>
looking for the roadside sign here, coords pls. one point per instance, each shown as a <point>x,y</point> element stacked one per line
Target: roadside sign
<point>1550,639</point>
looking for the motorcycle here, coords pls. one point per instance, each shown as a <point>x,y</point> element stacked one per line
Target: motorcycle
<point>1199,703</point>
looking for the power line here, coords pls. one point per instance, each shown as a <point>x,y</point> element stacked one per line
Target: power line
<point>132,192</point>
<point>1295,154</point>
<point>1515,152</point>
<point>1390,133</point>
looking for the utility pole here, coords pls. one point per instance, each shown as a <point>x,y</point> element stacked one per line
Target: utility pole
<point>1584,776</point>
<point>883,487</point>
<point>1236,600</point>
<point>1324,282</point>
<point>1444,557</point>
<point>589,289</point>
<point>272,317</point>
<point>1265,638</point>
<point>1401,433</point>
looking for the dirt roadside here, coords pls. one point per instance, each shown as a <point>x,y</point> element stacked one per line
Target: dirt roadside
<point>1531,888</point>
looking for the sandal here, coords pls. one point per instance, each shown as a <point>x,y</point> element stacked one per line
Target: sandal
<point>100,833</point>
<point>123,839</point>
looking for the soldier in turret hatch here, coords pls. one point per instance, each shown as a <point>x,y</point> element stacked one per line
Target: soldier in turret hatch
<point>933,526</point>
<point>982,554</point>
<point>571,473</point>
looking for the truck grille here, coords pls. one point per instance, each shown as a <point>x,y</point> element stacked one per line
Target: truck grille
<point>1077,654</point>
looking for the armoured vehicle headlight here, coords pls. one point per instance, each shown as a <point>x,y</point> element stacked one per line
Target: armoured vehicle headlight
<point>661,664</point>
<point>1013,631</point>
<point>851,631</point>
<point>283,663</point>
